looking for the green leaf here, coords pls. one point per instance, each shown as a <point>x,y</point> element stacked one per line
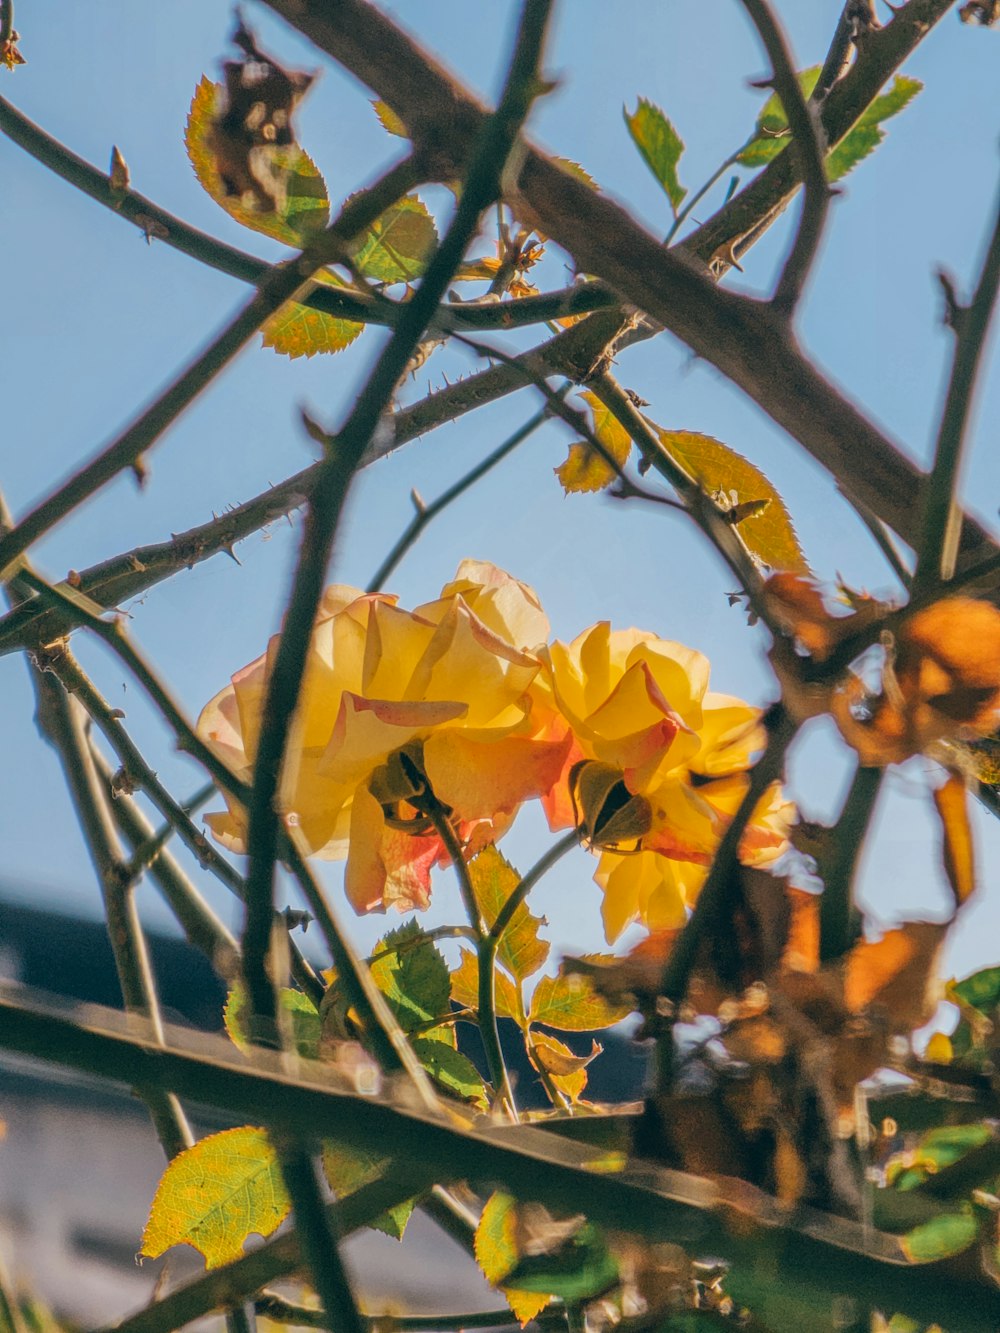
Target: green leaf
<point>660,146</point>
<point>771,130</point>
<point>307,205</point>
<point>388,119</point>
<point>571,1004</point>
<point>727,476</point>
<point>493,881</point>
<point>465,988</point>
<point>216,1194</point>
<point>347,1169</point>
<point>412,975</point>
<point>587,470</point>
<point>578,1270</point>
<point>939,1148</point>
<point>299,330</point>
<point>949,1234</point>
<point>397,245</point>
<point>771,133</point>
<point>452,1070</point>
<point>980,991</point>
<point>295,1009</point>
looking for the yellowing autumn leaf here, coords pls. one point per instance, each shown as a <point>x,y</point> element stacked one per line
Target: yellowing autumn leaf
<point>217,1193</point>
<point>766,530</point>
<point>306,206</point>
<point>497,1254</point>
<point>586,468</point>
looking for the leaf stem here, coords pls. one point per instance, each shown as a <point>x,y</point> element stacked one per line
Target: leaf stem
<point>541,867</point>
<point>693,200</point>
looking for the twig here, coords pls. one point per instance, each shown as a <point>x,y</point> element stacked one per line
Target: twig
<point>839,919</point>
<point>942,517</point>
<point>281,1311</point>
<point>6,20</point>
<point>61,719</point>
<point>480,188</point>
<point>881,536</point>
<point>202,928</point>
<point>720,886</point>
<point>283,283</point>
<point>426,513</point>
<point>318,1239</point>
<point>808,142</point>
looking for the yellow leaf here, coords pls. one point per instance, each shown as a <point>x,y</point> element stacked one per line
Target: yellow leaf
<point>570,1002</point>
<point>299,330</point>
<point>494,879</point>
<point>588,470</point>
<point>724,474</point>
<point>390,122</point>
<point>465,988</point>
<point>958,851</point>
<point>497,1254</point>
<point>214,1195</point>
<point>566,1070</point>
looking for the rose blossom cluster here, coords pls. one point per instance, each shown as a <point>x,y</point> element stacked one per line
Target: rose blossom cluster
<point>462,710</point>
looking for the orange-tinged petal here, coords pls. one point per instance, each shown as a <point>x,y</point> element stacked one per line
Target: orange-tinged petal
<point>686,827</point>
<point>369,730</point>
<point>479,779</point>
<point>385,867</point>
<point>219,724</point>
<point>681,673</point>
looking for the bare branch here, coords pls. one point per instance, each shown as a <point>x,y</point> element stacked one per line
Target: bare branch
<point>942,516</point>
<point>283,283</point>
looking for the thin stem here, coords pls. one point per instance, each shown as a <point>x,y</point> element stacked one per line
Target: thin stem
<point>839,919</point>
<point>881,536</point>
<point>693,200</point>
<point>721,886</point>
<point>319,1239</point>
<point>283,283</point>
<point>480,188</point>
<point>809,147</point>
<point>425,513</point>
<point>541,867</point>
<point>6,20</point>
<point>276,1308</point>
<point>942,517</point>
<point>61,718</point>
<point>202,928</point>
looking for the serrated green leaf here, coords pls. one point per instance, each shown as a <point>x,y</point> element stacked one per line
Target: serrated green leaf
<point>494,879</point>
<point>452,1070</point>
<point>388,119</point>
<point>295,1009</point>
<point>723,473</point>
<point>349,1168</point>
<point>412,975</point>
<point>660,145</point>
<point>299,330</point>
<point>949,1234</point>
<point>771,132</point>
<point>306,207</point>
<point>587,470</point>
<point>214,1195</point>
<point>397,245</point>
<point>571,1004</point>
<point>465,988</point>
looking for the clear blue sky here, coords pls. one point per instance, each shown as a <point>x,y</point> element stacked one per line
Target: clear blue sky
<point>93,321</point>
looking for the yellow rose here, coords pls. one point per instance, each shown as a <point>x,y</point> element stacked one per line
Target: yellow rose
<point>395,703</point>
<point>638,708</point>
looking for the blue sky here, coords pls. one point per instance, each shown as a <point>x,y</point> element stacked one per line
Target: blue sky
<point>93,322</point>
